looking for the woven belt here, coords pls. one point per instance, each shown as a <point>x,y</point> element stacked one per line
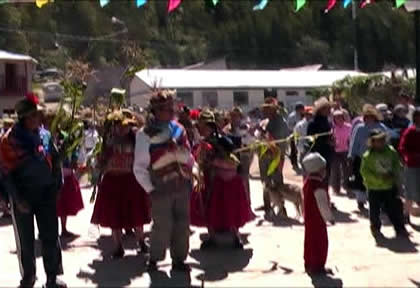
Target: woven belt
<point>171,172</point>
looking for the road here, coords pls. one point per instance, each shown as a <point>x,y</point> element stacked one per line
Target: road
<point>273,255</point>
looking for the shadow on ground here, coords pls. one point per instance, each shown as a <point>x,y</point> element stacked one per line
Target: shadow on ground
<point>325,280</point>
<point>114,273</point>
<point>106,245</point>
<point>279,221</point>
<point>218,263</point>
<point>174,279</point>
<point>398,245</point>
<point>343,217</point>
<point>415,283</point>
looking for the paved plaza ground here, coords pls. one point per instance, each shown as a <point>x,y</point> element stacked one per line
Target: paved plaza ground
<point>273,255</point>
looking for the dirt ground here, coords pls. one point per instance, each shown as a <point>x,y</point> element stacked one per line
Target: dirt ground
<point>273,254</point>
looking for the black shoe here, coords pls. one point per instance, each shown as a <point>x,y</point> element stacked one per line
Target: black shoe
<point>55,283</point>
<point>403,234</point>
<point>237,244</point>
<point>143,248</point>
<point>152,266</point>
<point>377,234</point>
<point>208,244</point>
<point>118,253</point>
<point>25,283</point>
<point>181,266</point>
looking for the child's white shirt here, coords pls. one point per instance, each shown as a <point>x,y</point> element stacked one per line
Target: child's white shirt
<point>323,205</point>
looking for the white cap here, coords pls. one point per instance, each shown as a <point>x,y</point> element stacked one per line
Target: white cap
<point>314,162</point>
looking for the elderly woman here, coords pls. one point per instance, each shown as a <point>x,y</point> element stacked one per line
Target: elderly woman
<point>410,152</point>
<point>358,146</point>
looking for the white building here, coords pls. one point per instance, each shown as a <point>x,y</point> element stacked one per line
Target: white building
<point>228,88</point>
<point>15,78</point>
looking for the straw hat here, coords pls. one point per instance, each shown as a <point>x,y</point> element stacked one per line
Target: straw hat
<point>321,103</point>
<point>162,98</point>
<point>369,110</point>
<point>206,116</point>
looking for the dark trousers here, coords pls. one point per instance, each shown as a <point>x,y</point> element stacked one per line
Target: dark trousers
<point>339,170</point>
<point>388,200</point>
<point>293,153</point>
<point>44,211</point>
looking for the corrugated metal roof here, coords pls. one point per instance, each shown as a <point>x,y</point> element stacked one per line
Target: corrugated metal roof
<point>4,55</point>
<point>228,79</point>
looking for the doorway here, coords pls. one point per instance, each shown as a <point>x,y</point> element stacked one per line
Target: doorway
<point>11,83</point>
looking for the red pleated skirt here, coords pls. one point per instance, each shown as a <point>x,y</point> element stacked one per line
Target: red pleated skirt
<point>228,206</point>
<point>70,201</point>
<point>121,202</point>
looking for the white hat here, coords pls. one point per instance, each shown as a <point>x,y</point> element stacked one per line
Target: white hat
<point>382,107</point>
<point>337,113</point>
<point>314,162</point>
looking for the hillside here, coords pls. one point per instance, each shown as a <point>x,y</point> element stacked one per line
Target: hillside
<point>272,38</point>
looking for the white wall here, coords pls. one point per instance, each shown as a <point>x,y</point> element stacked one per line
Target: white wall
<point>225,99</point>
<point>140,93</point>
<point>255,98</point>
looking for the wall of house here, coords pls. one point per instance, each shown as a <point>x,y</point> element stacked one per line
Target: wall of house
<point>9,101</point>
<point>290,100</point>
<point>140,94</point>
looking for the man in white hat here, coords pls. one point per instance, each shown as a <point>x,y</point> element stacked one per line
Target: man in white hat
<point>321,124</point>
<point>317,213</point>
<point>358,146</point>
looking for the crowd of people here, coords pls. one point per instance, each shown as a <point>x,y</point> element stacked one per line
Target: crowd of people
<point>174,166</point>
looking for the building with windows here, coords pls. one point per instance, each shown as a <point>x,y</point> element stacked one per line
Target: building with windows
<point>15,78</point>
<point>227,88</point>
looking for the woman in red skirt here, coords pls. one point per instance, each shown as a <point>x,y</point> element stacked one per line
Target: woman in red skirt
<point>69,201</point>
<point>221,203</point>
<point>121,203</point>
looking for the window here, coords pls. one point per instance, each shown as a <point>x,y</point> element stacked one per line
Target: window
<point>186,98</point>
<point>210,99</point>
<point>270,93</point>
<point>292,93</point>
<point>240,98</point>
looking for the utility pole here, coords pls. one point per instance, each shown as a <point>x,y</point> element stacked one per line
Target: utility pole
<point>355,42</point>
<point>414,6</point>
<point>417,29</point>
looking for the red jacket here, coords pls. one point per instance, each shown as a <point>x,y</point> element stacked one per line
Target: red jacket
<point>410,147</point>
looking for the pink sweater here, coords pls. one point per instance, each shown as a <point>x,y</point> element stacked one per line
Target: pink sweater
<point>342,137</point>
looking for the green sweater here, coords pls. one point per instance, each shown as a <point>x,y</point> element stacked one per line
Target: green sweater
<point>377,166</point>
